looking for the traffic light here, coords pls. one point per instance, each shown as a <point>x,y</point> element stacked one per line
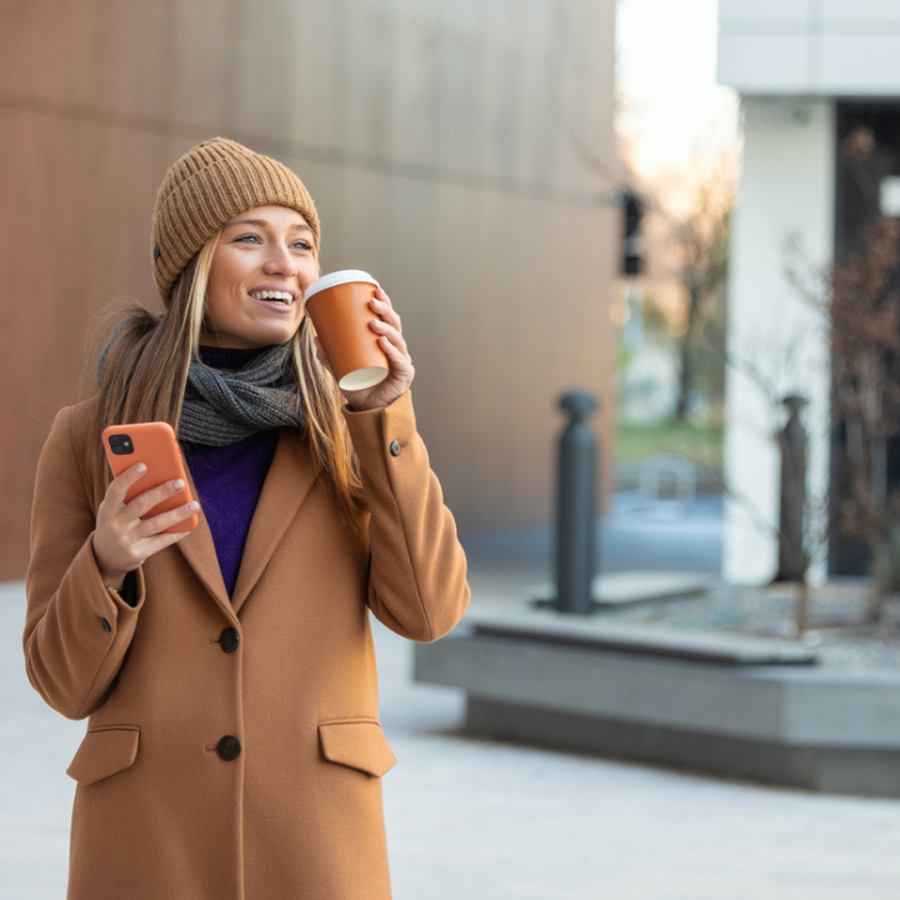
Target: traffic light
<point>633,242</point>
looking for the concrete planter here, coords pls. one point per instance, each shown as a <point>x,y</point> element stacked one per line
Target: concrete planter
<point>730,706</point>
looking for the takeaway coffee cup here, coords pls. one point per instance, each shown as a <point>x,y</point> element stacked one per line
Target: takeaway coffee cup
<point>338,305</point>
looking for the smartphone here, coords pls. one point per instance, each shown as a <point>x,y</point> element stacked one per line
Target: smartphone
<point>154,444</point>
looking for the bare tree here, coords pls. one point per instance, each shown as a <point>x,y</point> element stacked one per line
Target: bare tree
<point>859,296</point>
<point>687,249</point>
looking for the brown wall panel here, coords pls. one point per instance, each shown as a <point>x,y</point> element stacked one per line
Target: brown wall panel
<point>425,132</point>
<point>70,243</point>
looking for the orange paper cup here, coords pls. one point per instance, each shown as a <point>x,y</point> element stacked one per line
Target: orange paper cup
<point>338,305</point>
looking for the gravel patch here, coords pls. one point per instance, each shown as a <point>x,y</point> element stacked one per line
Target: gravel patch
<point>837,620</point>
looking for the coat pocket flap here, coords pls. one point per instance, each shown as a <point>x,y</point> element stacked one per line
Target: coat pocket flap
<point>358,744</point>
<point>103,752</point>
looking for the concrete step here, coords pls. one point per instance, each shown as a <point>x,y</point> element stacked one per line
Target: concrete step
<point>550,626</point>
<point>628,588</point>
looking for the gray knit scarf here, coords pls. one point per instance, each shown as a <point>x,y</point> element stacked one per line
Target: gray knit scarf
<point>224,406</point>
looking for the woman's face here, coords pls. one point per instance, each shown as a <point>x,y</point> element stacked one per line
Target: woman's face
<point>261,267</point>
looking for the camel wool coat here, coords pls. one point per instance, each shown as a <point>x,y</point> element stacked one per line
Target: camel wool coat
<point>233,747</point>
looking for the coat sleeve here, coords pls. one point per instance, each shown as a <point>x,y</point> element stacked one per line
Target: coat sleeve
<point>417,578</point>
<point>77,630</point>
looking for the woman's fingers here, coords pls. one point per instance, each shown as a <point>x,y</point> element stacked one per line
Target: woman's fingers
<point>390,332</point>
<point>388,325</point>
<point>159,542</point>
<point>394,353</point>
<point>122,483</point>
<point>394,346</point>
<point>123,538</point>
<point>149,499</point>
<point>158,524</point>
<point>381,304</point>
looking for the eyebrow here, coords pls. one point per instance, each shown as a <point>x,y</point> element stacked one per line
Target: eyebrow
<point>262,223</point>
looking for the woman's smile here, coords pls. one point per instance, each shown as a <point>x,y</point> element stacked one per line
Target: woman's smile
<point>280,297</point>
<point>262,265</point>
<point>281,300</point>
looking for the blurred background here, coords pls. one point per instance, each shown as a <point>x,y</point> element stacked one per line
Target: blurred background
<point>481,159</point>
<point>441,142</point>
<point>650,201</point>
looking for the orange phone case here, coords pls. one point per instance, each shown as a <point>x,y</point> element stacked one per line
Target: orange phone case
<point>154,444</point>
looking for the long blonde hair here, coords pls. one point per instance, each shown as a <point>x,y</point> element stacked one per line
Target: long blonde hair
<point>143,375</point>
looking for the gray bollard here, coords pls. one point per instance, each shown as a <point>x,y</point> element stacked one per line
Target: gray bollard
<point>792,562</point>
<point>576,506</point>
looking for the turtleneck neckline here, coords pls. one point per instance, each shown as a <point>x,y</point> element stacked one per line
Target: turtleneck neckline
<point>228,357</point>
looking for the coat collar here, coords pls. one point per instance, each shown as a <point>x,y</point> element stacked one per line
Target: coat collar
<point>290,478</point>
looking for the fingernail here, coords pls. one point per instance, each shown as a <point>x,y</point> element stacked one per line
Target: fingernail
<point>193,506</point>
<point>178,484</point>
<point>140,468</point>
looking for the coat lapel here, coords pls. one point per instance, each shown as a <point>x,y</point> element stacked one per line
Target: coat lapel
<point>290,478</point>
<point>200,552</point>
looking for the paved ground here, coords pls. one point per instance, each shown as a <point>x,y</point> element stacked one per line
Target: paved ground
<point>491,821</point>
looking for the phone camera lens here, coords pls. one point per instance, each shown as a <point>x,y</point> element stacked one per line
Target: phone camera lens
<point>120,444</point>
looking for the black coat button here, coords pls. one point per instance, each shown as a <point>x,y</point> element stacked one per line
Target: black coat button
<point>395,448</point>
<point>229,748</point>
<point>229,640</point>
<point>104,624</point>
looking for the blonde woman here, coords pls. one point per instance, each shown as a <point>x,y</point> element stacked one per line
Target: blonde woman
<point>233,746</point>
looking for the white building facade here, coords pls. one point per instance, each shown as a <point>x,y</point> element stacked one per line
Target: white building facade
<point>812,74</point>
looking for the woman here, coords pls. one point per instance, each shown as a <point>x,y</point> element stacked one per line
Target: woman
<point>233,748</point>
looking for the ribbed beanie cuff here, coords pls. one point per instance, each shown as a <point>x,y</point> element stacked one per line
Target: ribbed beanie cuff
<point>209,185</point>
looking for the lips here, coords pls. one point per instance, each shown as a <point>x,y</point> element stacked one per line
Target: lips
<point>284,297</point>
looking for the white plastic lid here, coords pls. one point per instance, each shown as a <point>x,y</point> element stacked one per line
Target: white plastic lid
<point>342,276</point>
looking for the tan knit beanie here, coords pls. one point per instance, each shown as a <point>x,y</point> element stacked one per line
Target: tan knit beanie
<point>208,186</point>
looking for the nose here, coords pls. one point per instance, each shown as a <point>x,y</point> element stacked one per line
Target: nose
<point>279,261</point>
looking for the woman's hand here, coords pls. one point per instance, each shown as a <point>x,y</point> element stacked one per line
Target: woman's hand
<point>122,540</point>
<point>390,338</point>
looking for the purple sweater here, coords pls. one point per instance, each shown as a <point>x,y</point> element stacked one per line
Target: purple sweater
<point>229,479</point>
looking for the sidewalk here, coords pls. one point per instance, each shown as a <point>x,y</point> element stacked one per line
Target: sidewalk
<point>492,821</point>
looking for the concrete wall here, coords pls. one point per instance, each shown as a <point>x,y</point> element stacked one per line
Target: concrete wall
<point>431,136</point>
<point>815,47</point>
<point>791,60</point>
<point>734,706</point>
<point>777,342</point>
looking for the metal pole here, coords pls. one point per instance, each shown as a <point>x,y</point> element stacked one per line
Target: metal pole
<point>791,547</point>
<point>576,509</point>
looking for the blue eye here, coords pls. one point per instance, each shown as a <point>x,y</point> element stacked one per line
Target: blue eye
<point>246,238</point>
